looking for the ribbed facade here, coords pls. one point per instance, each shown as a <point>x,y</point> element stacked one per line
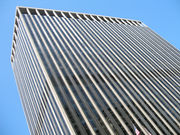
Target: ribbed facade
<point>87,74</point>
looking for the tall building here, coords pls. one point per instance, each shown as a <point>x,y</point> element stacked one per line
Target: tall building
<point>89,74</point>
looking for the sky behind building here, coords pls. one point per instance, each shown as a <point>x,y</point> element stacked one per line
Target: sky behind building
<point>162,16</point>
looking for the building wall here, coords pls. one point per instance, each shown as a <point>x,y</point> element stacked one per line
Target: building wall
<point>86,76</point>
<point>42,114</point>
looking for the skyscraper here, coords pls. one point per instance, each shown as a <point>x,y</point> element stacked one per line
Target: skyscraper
<point>88,74</point>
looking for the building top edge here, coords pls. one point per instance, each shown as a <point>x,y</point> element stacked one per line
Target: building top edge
<point>54,10</point>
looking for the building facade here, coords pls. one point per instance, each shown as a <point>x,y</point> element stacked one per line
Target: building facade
<point>88,74</point>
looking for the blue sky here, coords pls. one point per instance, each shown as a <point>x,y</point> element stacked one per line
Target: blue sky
<point>163,16</point>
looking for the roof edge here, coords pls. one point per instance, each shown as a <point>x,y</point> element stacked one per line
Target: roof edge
<point>23,10</point>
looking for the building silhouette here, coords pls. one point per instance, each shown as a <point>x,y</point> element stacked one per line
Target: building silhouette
<point>88,74</point>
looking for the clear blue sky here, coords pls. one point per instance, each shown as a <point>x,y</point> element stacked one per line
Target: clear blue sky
<point>163,16</point>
